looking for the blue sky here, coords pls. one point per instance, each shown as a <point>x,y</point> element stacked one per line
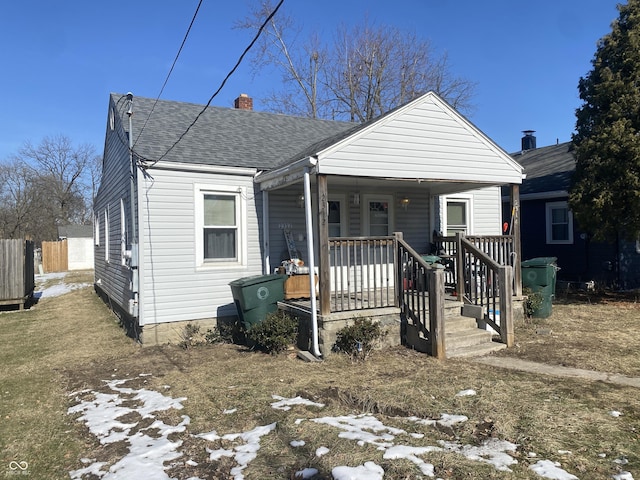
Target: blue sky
<point>62,59</point>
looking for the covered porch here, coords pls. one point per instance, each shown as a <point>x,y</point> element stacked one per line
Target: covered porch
<point>410,280</point>
<point>370,210</point>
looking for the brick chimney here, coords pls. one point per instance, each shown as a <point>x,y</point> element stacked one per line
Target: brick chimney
<point>243,102</point>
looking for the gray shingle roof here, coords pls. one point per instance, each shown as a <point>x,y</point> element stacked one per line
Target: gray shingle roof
<point>548,169</point>
<point>75,231</point>
<point>224,136</point>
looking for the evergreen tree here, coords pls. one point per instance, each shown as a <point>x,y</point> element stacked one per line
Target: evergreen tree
<point>605,190</point>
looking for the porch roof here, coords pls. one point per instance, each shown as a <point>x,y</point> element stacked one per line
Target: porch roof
<point>424,140</point>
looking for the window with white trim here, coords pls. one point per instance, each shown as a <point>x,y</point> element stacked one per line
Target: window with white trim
<point>559,223</point>
<point>96,229</point>
<point>123,233</point>
<point>106,234</point>
<point>220,226</point>
<point>457,216</point>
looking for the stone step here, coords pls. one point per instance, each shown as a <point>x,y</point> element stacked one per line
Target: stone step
<point>457,323</point>
<point>465,338</point>
<point>475,350</point>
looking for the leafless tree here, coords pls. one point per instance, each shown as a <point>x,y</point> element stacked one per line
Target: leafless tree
<point>46,186</point>
<point>364,72</point>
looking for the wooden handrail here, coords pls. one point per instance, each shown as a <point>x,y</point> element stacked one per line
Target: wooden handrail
<point>480,269</point>
<point>421,295</point>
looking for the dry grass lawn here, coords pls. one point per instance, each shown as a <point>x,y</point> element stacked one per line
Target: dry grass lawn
<point>72,342</point>
<point>598,331</point>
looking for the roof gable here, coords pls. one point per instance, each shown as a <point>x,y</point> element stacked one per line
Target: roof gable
<point>424,139</point>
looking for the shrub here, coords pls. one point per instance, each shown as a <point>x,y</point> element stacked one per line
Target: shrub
<point>532,302</point>
<point>275,333</point>
<point>359,339</point>
<point>225,332</point>
<point>191,336</point>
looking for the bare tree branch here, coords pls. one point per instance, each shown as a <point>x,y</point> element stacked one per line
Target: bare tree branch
<point>366,71</point>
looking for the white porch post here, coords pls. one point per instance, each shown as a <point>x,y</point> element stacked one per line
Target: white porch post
<point>311,260</point>
<point>266,260</point>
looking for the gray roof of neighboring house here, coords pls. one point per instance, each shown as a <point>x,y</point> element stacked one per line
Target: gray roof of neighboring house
<point>75,231</point>
<point>548,169</point>
<point>222,136</point>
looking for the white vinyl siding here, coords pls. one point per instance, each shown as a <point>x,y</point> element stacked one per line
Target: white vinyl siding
<point>424,140</point>
<point>177,284</point>
<point>485,214</point>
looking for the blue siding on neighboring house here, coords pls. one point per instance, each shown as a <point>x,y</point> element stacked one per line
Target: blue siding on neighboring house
<point>549,171</point>
<point>578,261</point>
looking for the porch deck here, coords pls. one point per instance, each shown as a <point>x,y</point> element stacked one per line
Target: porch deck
<point>357,302</point>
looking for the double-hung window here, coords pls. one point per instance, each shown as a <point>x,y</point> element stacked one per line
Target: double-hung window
<point>219,227</point>
<point>559,221</point>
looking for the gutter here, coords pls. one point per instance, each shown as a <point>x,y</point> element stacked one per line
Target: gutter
<point>286,175</point>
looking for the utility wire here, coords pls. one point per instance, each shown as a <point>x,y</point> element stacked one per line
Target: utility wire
<point>231,72</point>
<point>175,60</point>
<point>120,110</point>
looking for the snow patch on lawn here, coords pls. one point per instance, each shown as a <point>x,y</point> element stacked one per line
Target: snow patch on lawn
<point>150,452</point>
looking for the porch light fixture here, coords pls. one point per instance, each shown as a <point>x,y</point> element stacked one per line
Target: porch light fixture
<point>404,202</point>
<point>355,199</point>
<point>300,201</point>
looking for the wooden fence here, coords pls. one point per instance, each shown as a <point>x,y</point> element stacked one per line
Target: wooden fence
<point>55,256</point>
<point>17,279</point>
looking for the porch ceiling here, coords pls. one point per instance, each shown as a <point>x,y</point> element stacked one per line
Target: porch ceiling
<point>434,187</point>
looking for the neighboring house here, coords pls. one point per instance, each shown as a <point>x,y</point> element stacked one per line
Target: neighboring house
<point>79,246</point>
<point>214,206</point>
<point>548,228</point>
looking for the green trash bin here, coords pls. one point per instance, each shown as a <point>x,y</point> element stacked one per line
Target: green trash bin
<point>539,274</point>
<point>257,296</point>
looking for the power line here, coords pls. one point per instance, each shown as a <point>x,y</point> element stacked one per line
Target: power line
<point>119,109</point>
<point>175,60</point>
<point>231,72</point>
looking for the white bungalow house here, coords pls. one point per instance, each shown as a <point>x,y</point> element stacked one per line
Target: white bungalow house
<point>385,188</point>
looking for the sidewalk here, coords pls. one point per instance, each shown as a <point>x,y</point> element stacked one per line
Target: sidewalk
<point>557,371</point>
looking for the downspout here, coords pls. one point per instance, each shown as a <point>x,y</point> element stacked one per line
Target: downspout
<point>133,260</point>
<point>311,260</point>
